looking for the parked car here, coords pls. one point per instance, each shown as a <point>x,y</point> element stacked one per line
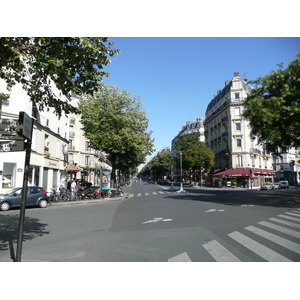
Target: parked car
<point>275,185</point>
<point>266,186</point>
<point>82,184</point>
<point>283,184</point>
<point>36,196</point>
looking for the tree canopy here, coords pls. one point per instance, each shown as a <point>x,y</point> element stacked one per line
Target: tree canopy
<point>115,122</point>
<point>159,165</point>
<point>75,65</point>
<point>194,152</point>
<point>273,108</point>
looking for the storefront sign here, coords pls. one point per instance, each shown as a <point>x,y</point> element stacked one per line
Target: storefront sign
<point>72,168</point>
<point>105,180</point>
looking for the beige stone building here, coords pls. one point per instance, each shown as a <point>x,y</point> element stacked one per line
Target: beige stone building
<point>239,159</point>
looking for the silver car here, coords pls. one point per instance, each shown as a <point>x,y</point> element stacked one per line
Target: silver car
<point>267,186</point>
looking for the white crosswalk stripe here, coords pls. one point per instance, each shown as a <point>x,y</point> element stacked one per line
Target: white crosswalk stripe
<point>219,253</point>
<point>183,257</point>
<point>275,238</point>
<point>261,250</point>
<point>281,229</point>
<point>291,224</point>
<point>292,214</point>
<point>283,225</point>
<point>289,218</point>
<point>147,194</point>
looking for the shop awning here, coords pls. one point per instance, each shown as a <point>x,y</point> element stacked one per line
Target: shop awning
<point>263,172</point>
<point>243,172</point>
<point>233,172</point>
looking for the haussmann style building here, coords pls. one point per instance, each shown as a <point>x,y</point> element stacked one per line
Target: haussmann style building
<point>239,159</point>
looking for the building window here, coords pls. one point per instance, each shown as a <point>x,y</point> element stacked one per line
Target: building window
<point>239,143</point>
<point>87,160</point>
<point>237,111</point>
<point>237,126</point>
<point>239,161</point>
<point>236,95</point>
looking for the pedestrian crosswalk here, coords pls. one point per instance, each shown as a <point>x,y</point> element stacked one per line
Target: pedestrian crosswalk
<point>149,194</point>
<point>277,230</point>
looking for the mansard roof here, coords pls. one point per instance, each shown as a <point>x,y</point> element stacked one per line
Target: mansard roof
<point>225,90</point>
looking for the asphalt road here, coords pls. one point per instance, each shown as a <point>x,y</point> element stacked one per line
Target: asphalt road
<point>153,224</point>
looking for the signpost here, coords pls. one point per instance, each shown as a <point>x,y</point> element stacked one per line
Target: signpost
<point>25,126</point>
<point>15,135</point>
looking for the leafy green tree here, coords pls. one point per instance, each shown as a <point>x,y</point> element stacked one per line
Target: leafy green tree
<point>273,108</point>
<point>115,122</point>
<point>199,155</point>
<point>75,65</point>
<point>160,164</point>
<point>194,152</point>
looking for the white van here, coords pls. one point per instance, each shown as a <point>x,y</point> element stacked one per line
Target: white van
<point>284,184</point>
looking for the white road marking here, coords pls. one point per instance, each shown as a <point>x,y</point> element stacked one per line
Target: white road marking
<point>147,194</point>
<point>261,250</point>
<point>281,229</point>
<point>154,220</point>
<point>289,218</point>
<point>161,192</point>
<point>285,222</point>
<point>219,253</point>
<point>139,195</point>
<point>292,214</point>
<point>183,257</point>
<point>275,238</point>
<point>154,193</point>
<point>214,209</point>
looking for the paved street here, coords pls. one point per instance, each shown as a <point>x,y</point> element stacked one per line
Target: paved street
<point>157,225</point>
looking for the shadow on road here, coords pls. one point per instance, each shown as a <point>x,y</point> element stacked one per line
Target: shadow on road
<point>9,226</point>
<point>276,198</point>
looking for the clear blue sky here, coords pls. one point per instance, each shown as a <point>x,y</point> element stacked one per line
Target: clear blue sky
<point>176,77</point>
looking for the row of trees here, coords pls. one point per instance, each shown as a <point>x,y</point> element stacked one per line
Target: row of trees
<point>114,121</point>
<point>75,65</point>
<point>195,155</point>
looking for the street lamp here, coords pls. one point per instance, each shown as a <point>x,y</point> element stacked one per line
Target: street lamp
<point>181,183</point>
<point>172,176</point>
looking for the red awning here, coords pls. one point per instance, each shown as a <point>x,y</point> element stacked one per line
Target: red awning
<point>243,172</point>
<point>234,172</point>
<point>263,172</point>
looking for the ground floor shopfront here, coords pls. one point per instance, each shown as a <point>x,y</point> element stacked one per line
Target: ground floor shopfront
<point>45,172</point>
<point>242,177</point>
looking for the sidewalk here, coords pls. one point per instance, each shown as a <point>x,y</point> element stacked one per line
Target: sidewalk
<point>86,201</point>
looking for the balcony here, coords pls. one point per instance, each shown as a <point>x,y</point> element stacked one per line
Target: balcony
<point>255,151</point>
<point>71,134</point>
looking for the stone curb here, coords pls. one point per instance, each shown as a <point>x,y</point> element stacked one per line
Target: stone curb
<point>89,201</point>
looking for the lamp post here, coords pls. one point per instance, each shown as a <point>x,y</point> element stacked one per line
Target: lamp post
<point>181,183</point>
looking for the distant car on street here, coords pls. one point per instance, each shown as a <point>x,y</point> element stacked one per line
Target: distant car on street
<point>36,196</point>
<point>267,186</point>
<point>283,184</point>
<point>275,185</point>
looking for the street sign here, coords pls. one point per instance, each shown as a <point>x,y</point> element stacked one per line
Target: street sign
<point>11,145</point>
<point>8,127</point>
<point>25,125</point>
